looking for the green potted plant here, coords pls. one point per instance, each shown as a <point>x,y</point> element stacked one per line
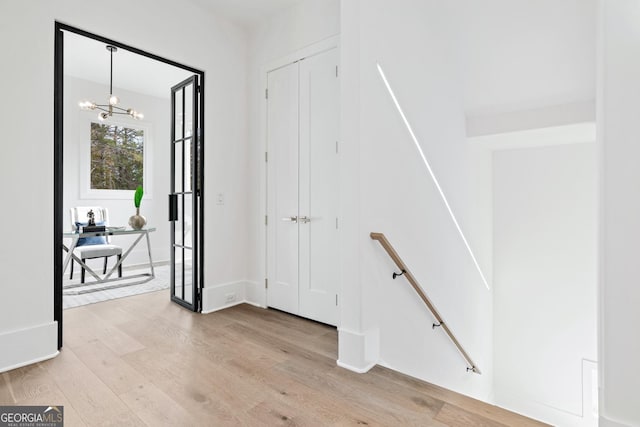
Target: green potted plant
<point>137,221</point>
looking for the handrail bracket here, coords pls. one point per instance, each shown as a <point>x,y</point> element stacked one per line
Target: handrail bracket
<point>398,274</point>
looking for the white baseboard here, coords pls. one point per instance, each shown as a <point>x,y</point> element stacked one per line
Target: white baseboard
<point>606,422</point>
<point>26,346</point>
<point>355,350</point>
<point>213,310</point>
<point>225,295</point>
<point>145,265</point>
<point>358,370</point>
<point>255,304</point>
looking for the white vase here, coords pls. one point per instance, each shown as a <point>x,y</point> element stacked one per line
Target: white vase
<point>137,221</point>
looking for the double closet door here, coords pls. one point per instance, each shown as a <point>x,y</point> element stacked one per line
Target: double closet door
<point>302,187</point>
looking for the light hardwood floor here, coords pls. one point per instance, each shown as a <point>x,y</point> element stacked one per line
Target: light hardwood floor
<point>144,361</point>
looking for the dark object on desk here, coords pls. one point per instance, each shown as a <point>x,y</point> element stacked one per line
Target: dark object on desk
<point>92,218</point>
<point>94,228</point>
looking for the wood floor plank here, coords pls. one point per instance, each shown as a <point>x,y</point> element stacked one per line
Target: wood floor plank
<point>92,327</point>
<point>388,411</point>
<point>202,406</point>
<point>6,390</point>
<point>28,383</point>
<point>379,373</point>
<point>145,361</point>
<point>456,417</point>
<point>110,368</point>
<point>409,401</point>
<point>56,398</point>
<point>95,402</point>
<point>281,344</point>
<point>155,408</point>
<point>296,394</point>
<point>274,412</point>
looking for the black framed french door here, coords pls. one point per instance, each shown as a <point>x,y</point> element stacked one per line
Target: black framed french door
<point>185,198</point>
<point>58,166</point>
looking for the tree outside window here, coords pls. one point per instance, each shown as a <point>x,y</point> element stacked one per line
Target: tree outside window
<point>117,157</point>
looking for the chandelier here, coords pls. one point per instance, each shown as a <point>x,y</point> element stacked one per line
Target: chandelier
<point>108,110</point>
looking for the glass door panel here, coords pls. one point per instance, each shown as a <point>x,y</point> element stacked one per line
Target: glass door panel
<point>185,195</point>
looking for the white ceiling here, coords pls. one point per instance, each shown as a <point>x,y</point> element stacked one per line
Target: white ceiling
<point>88,59</point>
<point>245,13</point>
<point>519,54</point>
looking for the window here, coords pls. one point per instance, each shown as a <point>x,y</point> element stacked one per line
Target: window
<point>117,157</point>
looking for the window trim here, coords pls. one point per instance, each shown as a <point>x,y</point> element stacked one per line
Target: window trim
<point>86,192</point>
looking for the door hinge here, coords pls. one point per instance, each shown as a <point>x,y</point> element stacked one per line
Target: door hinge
<point>336,299</point>
<point>336,147</point>
<point>336,223</point>
<point>266,156</point>
<point>266,220</point>
<point>336,71</point>
<point>266,93</point>
<point>266,283</point>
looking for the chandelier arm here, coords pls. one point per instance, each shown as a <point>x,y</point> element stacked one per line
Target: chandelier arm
<point>102,107</point>
<point>123,112</point>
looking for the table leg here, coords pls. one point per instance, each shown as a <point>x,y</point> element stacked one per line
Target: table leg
<point>153,273</point>
<point>124,256</point>
<point>74,243</point>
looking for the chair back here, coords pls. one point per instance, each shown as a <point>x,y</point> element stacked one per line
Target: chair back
<point>79,214</point>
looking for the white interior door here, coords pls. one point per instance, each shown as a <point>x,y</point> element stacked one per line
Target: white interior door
<point>302,182</point>
<point>318,181</point>
<point>282,232</point>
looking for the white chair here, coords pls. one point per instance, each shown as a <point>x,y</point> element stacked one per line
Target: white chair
<point>93,247</point>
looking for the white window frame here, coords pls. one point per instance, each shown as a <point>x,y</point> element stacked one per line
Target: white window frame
<point>86,192</point>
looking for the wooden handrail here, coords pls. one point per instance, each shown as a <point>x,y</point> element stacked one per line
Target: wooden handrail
<point>380,237</point>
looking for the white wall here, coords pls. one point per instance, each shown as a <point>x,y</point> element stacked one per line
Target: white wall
<point>157,113</point>
<point>618,112</point>
<point>550,44</point>
<point>544,207</point>
<point>426,50</point>
<point>419,50</point>
<point>286,32</point>
<point>26,117</point>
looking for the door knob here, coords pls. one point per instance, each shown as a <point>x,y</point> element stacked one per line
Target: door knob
<point>290,218</point>
<point>304,219</point>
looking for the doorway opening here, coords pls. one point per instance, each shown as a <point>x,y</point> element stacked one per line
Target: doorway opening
<point>78,154</point>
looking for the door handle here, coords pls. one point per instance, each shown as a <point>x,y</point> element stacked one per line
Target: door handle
<point>290,218</point>
<point>173,207</point>
<point>304,219</point>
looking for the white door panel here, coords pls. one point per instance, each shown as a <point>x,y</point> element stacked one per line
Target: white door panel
<point>302,187</point>
<point>282,137</point>
<point>318,196</point>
